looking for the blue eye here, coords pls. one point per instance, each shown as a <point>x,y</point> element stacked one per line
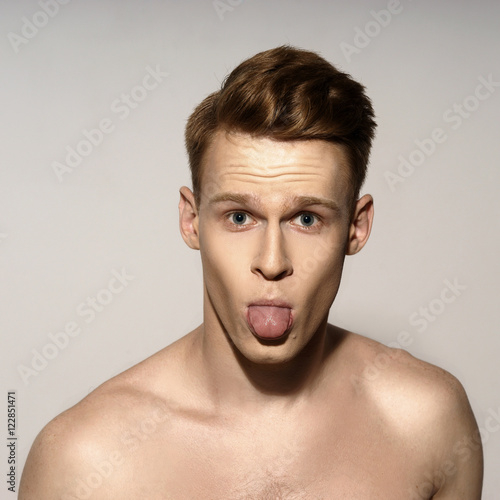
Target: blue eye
<point>238,218</point>
<point>307,219</point>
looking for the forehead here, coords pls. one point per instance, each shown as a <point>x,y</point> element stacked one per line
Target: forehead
<point>263,167</point>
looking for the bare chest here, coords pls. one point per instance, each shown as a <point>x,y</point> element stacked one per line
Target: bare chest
<point>304,461</point>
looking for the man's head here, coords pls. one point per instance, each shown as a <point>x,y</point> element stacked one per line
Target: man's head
<point>286,94</point>
<point>274,177</point>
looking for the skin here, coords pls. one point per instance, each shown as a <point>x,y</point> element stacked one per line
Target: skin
<point>223,414</point>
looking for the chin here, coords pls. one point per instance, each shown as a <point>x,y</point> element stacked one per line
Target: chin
<point>269,352</point>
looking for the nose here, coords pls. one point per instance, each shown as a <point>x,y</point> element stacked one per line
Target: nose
<point>271,260</point>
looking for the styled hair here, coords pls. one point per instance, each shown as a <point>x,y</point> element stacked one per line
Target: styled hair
<point>286,94</point>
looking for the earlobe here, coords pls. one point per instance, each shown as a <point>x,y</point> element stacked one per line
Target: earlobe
<point>361,225</point>
<point>188,218</point>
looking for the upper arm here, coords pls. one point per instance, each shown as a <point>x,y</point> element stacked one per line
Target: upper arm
<point>70,460</point>
<point>434,415</point>
<point>459,469</point>
<point>47,466</point>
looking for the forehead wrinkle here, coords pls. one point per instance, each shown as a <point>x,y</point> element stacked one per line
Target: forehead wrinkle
<point>297,176</point>
<point>287,162</point>
<point>243,164</point>
<point>274,175</point>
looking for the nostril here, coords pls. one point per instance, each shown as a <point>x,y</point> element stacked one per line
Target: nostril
<point>275,272</point>
<point>282,275</point>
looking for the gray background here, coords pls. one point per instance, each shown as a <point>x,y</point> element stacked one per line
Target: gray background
<point>60,240</point>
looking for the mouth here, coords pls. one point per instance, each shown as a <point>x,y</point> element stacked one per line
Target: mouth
<point>269,320</point>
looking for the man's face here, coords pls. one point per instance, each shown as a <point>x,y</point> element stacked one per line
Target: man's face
<point>273,226</point>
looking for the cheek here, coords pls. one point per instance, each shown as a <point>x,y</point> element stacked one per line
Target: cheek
<point>318,268</point>
<point>224,261</point>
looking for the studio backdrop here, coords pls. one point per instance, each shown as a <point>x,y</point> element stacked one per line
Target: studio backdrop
<point>94,99</point>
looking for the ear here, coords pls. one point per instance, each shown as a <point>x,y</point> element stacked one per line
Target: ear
<point>188,218</point>
<point>361,225</point>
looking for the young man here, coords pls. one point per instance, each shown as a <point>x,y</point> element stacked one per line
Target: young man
<point>265,399</point>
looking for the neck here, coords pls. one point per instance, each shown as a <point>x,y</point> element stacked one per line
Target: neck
<point>232,379</point>
<point>290,378</point>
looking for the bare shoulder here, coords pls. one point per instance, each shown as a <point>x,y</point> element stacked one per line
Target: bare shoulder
<point>87,449</point>
<point>386,369</point>
<point>426,407</point>
<point>406,385</point>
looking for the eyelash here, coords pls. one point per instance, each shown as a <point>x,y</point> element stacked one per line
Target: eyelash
<point>239,227</point>
<point>314,226</point>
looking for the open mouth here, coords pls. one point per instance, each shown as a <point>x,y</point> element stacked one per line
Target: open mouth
<point>269,322</point>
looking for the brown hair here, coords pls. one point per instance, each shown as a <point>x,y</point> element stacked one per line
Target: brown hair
<point>286,94</point>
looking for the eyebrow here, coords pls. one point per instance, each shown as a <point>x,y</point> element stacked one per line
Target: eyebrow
<point>303,201</point>
<point>314,200</point>
<point>236,197</point>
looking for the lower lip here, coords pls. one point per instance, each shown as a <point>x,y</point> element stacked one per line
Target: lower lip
<point>269,322</point>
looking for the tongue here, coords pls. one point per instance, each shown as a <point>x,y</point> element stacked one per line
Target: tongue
<point>269,322</point>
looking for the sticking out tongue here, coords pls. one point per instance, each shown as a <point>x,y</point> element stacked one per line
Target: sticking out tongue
<point>269,322</point>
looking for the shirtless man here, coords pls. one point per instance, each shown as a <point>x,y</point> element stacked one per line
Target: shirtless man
<point>265,399</point>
